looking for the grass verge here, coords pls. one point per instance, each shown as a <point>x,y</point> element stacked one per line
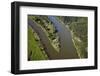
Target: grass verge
<point>35,52</point>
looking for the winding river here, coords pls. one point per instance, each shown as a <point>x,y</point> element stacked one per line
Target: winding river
<point>67,47</point>
<point>67,51</point>
<point>50,51</point>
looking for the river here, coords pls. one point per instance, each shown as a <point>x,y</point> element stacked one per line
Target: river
<point>67,51</point>
<point>67,47</point>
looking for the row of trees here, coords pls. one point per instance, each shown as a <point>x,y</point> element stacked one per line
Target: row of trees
<point>49,28</point>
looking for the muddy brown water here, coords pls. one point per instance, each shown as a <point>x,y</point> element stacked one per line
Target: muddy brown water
<point>67,51</point>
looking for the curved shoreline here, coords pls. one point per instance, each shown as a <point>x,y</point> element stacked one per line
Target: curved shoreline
<point>67,49</point>
<point>51,52</point>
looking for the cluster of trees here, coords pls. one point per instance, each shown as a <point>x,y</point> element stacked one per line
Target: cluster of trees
<point>79,28</point>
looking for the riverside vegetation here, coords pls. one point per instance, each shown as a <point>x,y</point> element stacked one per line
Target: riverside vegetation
<point>79,30</point>
<point>78,27</point>
<point>51,33</point>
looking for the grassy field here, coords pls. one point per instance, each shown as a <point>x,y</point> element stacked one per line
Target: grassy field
<point>35,50</point>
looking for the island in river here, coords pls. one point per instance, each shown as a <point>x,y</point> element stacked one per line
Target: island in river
<point>57,37</point>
